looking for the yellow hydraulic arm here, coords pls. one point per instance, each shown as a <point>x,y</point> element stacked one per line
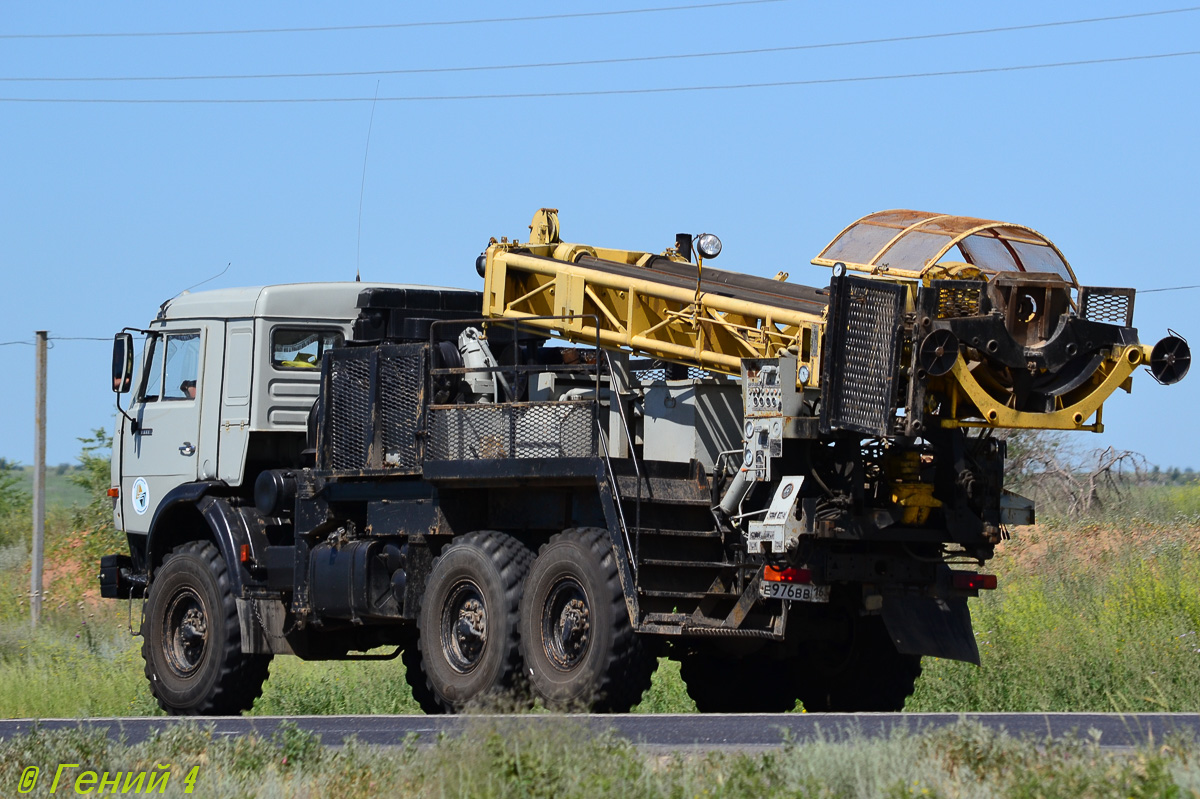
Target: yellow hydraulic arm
<point>660,306</point>
<point>955,321</point>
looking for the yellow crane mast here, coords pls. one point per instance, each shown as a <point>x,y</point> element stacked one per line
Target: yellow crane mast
<point>929,319</point>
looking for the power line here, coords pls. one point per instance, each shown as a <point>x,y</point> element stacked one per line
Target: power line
<point>109,338</point>
<point>591,93</point>
<point>597,61</point>
<point>59,338</point>
<point>392,25</point>
<point>1169,288</point>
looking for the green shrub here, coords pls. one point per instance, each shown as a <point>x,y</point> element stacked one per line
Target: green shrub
<point>95,477</point>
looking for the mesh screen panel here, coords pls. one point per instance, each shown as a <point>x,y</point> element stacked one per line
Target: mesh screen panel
<point>1111,306</point>
<point>374,413</point>
<point>956,301</point>
<point>660,374</point>
<point>349,409</point>
<point>860,364</point>
<point>524,430</point>
<point>401,383</point>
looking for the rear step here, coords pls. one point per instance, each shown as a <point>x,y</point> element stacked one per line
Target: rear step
<point>649,531</point>
<point>688,564</point>
<point>685,594</point>
<point>663,491</point>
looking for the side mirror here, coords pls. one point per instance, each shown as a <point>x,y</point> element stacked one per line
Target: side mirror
<point>122,363</point>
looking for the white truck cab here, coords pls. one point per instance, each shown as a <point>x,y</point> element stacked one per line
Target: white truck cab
<point>227,377</point>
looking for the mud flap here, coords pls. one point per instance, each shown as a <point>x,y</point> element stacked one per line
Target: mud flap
<point>937,627</point>
<point>261,622</point>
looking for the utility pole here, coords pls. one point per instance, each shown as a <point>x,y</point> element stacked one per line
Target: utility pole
<point>39,479</point>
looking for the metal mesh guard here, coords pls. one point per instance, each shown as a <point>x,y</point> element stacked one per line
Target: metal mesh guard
<point>956,301</point>
<point>864,356</point>
<point>525,430</point>
<point>401,379</point>
<point>659,374</point>
<point>1111,306</point>
<point>349,411</point>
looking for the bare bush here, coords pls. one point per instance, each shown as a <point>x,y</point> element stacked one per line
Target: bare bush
<point>1053,472</point>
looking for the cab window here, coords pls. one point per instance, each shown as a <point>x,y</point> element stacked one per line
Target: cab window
<point>172,367</point>
<point>181,366</point>
<point>152,371</point>
<point>293,348</point>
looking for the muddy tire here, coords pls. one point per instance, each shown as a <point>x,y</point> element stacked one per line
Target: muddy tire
<point>191,641</point>
<point>752,684</point>
<point>579,648</point>
<point>414,675</point>
<point>468,622</point>
<point>865,675</point>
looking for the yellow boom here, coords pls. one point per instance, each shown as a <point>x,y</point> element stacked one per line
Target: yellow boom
<point>988,325</point>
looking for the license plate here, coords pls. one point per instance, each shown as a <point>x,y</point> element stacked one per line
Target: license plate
<point>797,592</point>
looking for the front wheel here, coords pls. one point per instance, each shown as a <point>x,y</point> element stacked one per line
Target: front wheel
<point>191,641</point>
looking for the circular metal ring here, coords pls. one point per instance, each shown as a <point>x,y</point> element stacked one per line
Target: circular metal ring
<point>464,626</point>
<point>566,624</point>
<point>185,632</point>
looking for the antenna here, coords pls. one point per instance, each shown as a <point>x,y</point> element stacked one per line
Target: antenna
<point>162,309</point>
<point>362,188</point>
<point>207,280</point>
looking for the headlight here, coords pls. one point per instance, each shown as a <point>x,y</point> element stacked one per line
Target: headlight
<point>708,245</point>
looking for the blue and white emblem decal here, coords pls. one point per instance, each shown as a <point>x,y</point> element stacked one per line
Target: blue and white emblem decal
<point>141,496</point>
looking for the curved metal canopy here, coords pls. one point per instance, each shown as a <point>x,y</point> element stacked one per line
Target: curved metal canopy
<point>911,243</point>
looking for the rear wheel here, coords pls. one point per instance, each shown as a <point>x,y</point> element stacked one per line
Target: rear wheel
<point>865,674</point>
<point>414,675</point>
<point>191,641</point>
<point>468,621</point>
<point>753,684</point>
<point>579,648</point>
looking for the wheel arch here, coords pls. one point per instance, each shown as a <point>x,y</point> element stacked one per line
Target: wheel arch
<point>204,512</point>
<point>178,521</point>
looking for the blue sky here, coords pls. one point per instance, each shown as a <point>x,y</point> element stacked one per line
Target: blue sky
<point>106,210</point>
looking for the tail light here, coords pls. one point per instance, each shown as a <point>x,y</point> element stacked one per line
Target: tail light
<point>787,575</point>
<point>970,581</point>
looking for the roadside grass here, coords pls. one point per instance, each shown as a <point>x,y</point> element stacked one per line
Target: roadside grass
<point>1092,615</point>
<point>323,688</point>
<point>562,759</point>
<point>1085,620</point>
<point>61,492</point>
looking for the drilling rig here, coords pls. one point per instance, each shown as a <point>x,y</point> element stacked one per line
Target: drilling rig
<point>606,456</point>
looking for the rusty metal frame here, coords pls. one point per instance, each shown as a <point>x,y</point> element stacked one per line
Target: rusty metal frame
<point>872,266</point>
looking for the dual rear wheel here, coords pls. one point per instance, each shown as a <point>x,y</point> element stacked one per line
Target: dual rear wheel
<point>861,673</point>
<point>498,625</point>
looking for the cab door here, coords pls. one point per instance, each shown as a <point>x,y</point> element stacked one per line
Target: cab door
<point>164,449</point>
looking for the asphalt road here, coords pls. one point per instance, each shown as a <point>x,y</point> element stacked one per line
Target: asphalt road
<point>735,731</point>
